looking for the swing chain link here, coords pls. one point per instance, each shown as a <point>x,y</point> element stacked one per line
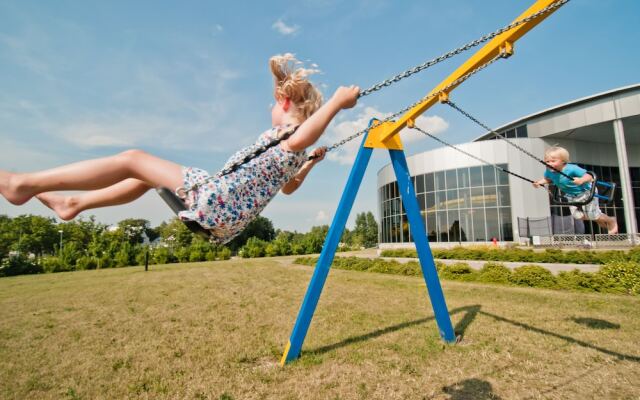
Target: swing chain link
<point>417,103</point>
<point>489,130</point>
<point>181,192</point>
<point>497,167</point>
<point>461,49</point>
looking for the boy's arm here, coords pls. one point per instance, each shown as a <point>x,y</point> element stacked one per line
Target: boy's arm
<point>298,178</point>
<point>314,126</point>
<point>541,182</point>
<point>583,179</point>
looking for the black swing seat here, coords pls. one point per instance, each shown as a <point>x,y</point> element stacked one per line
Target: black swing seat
<point>604,191</point>
<point>177,205</point>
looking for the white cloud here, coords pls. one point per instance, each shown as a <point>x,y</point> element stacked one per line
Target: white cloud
<point>285,29</point>
<point>346,154</point>
<point>321,216</point>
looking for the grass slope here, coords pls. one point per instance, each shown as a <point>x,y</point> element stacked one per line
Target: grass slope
<point>217,330</point>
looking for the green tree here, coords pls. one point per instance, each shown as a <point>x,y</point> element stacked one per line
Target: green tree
<point>261,228</point>
<point>366,230</point>
<point>6,236</point>
<point>313,241</point>
<point>34,234</point>
<point>175,233</point>
<point>135,229</point>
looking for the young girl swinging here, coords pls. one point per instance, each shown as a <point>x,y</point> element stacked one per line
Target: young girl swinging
<point>224,204</point>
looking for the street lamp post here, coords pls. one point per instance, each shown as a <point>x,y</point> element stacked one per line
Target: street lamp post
<point>60,247</point>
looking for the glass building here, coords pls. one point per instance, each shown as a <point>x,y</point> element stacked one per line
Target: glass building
<point>462,200</point>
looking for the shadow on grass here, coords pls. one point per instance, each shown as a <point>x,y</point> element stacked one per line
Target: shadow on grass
<point>471,389</point>
<point>595,323</point>
<point>471,313</point>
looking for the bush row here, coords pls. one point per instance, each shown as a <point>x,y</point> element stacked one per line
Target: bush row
<point>613,277</point>
<point>127,255</point>
<point>487,253</point>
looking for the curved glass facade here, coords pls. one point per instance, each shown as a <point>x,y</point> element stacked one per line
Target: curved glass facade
<point>458,205</point>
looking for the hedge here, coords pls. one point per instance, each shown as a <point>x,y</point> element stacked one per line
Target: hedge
<point>487,253</point>
<point>613,277</point>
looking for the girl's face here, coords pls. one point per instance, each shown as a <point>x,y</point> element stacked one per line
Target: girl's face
<point>555,161</point>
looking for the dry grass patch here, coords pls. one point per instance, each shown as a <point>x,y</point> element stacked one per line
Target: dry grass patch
<point>217,330</point>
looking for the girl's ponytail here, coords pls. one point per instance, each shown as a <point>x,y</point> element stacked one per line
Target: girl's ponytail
<point>292,82</point>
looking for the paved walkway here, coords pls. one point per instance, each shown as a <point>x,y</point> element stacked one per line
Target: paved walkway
<point>478,264</point>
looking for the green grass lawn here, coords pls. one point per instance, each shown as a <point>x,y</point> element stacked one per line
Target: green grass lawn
<point>217,330</point>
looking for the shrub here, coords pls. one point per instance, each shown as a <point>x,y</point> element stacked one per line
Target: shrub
<point>493,272</point>
<point>534,276</point>
<point>122,257</point>
<point>622,274</point>
<point>253,248</point>
<point>182,254</point>
<point>53,264</point>
<point>584,281</point>
<point>106,261</point>
<point>458,272</point>
<point>19,265</point>
<point>86,262</point>
<point>162,255</point>
<point>224,253</point>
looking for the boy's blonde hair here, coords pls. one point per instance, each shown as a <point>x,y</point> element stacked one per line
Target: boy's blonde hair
<point>291,82</point>
<point>557,151</point>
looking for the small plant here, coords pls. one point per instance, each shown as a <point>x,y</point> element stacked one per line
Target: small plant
<point>534,276</point>
<point>493,272</point>
<point>458,272</point>
<point>625,275</point>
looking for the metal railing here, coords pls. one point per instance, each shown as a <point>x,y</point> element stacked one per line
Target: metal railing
<point>588,241</point>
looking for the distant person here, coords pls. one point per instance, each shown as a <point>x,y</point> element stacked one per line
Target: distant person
<point>574,190</point>
<point>223,204</point>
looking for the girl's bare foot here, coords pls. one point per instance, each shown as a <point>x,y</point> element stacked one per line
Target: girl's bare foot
<point>64,206</point>
<point>9,189</point>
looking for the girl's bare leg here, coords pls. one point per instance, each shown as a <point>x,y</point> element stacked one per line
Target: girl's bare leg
<point>92,174</point>
<point>67,207</point>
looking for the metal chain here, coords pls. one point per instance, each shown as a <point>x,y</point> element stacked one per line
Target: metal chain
<point>461,49</point>
<point>471,155</point>
<point>181,191</point>
<point>466,114</point>
<point>417,103</point>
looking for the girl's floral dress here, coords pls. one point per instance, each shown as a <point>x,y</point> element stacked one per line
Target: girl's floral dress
<point>226,204</point>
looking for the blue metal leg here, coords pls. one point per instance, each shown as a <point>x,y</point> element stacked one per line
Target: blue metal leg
<point>292,351</point>
<point>422,245</point>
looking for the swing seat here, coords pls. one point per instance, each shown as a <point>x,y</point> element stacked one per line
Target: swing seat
<point>177,205</point>
<point>606,191</point>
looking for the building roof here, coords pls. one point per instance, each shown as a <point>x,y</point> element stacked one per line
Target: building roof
<point>555,109</point>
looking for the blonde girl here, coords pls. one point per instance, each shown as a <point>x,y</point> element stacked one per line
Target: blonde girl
<point>224,204</point>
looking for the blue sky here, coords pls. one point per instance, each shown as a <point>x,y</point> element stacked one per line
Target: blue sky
<point>189,81</point>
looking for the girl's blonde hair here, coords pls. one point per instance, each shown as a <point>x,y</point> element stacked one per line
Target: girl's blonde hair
<point>558,151</point>
<point>292,82</point>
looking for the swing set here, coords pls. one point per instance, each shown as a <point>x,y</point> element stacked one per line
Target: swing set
<point>383,134</point>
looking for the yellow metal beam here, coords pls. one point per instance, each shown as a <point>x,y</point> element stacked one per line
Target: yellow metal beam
<point>500,45</point>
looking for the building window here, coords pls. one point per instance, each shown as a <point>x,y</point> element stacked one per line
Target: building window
<point>457,205</point>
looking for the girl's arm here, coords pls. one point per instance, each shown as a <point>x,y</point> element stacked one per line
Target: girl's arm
<point>297,180</point>
<point>314,126</point>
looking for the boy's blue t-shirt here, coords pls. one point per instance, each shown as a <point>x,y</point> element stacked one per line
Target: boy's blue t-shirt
<point>565,184</point>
